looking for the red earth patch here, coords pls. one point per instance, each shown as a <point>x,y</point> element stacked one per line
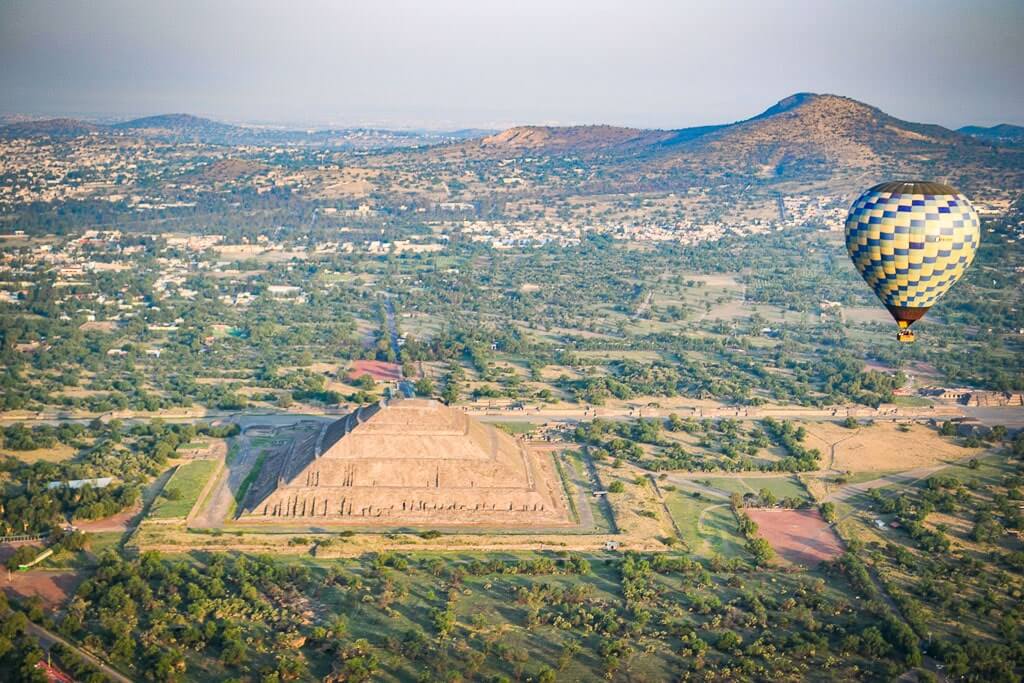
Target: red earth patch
<point>799,536</point>
<point>379,370</point>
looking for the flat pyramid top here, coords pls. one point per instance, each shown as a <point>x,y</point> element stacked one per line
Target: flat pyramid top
<point>415,415</point>
<point>413,429</point>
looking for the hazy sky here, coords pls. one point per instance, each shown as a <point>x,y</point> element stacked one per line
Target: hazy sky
<point>449,63</point>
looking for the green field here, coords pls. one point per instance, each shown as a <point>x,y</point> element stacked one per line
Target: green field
<point>708,527</point>
<point>188,481</point>
<point>515,427</point>
<point>243,488</point>
<point>911,401</point>
<point>781,487</point>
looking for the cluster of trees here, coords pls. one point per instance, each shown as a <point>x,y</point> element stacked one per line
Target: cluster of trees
<point>226,617</point>
<point>29,504</point>
<point>790,436</point>
<point>21,652</point>
<point>955,578</point>
<point>760,550</point>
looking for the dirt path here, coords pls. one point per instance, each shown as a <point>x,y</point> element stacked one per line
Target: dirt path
<point>832,450</point>
<point>703,514</point>
<point>583,508</point>
<point>907,478</point>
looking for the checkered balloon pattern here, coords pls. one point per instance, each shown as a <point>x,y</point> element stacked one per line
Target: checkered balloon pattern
<point>911,248</point>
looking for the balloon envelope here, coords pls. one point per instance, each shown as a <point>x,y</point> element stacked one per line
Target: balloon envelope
<point>911,242</point>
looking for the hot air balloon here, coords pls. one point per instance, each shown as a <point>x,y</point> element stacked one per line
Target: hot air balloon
<point>911,242</point>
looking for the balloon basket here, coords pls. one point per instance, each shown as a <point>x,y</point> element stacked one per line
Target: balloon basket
<point>905,336</point>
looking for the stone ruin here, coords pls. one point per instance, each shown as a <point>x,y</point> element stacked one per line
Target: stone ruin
<point>408,462</point>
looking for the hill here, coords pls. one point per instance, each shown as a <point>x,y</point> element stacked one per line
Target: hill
<point>572,139</point>
<point>189,128</point>
<point>805,137</point>
<point>1004,133</point>
<point>49,128</point>
<point>185,126</point>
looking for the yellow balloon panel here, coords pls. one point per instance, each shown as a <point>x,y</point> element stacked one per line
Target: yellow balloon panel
<point>911,248</point>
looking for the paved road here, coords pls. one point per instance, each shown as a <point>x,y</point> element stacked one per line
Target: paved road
<point>48,638</point>
<point>404,385</point>
<point>1008,416</point>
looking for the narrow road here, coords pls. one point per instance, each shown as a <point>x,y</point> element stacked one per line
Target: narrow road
<point>404,385</point>
<point>583,492</point>
<point>48,638</point>
<point>907,478</point>
<point>605,506</point>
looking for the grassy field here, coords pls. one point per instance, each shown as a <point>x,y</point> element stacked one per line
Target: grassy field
<point>708,527</point>
<point>785,486</point>
<point>188,481</point>
<point>911,401</point>
<point>515,427</point>
<point>243,488</point>
<point>56,454</point>
<point>883,446</point>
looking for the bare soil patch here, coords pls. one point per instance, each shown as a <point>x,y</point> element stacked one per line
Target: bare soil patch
<point>56,454</point>
<point>53,587</point>
<point>379,370</point>
<point>883,447</point>
<point>119,522</point>
<point>798,536</point>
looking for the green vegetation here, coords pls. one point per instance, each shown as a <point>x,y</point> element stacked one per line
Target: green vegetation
<point>775,489</point>
<point>708,527</point>
<point>407,616</point>
<point>182,491</point>
<point>250,477</point>
<point>132,457</point>
<point>515,428</point>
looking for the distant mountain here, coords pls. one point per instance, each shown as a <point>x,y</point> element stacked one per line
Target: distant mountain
<point>805,136</point>
<point>49,128</point>
<point>184,126</point>
<point>1004,133</point>
<point>572,139</point>
<point>189,128</point>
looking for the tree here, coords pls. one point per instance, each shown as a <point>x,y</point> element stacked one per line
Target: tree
<point>761,551</point>
<point>828,511</point>
<point>424,386</point>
